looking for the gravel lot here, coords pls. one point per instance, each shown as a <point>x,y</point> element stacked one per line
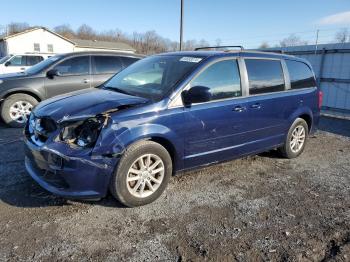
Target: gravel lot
<point>257,208</point>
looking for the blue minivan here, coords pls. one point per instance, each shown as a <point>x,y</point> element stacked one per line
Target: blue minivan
<point>167,113</point>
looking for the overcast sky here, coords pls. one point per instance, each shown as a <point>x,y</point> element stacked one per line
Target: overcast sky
<point>234,22</point>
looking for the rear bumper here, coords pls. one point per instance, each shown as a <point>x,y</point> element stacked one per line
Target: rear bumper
<point>315,122</point>
<point>72,177</point>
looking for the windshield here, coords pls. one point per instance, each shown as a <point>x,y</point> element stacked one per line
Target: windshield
<point>42,65</point>
<point>152,77</point>
<point>4,59</point>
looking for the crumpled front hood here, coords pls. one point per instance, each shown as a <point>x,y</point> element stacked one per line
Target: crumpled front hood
<point>84,103</point>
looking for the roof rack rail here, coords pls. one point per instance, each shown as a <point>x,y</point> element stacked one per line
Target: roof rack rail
<point>216,47</point>
<point>272,51</point>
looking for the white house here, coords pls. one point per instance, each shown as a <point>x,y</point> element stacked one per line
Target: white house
<point>42,40</point>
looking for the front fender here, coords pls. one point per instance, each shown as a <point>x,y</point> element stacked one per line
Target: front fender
<point>33,92</point>
<point>117,137</point>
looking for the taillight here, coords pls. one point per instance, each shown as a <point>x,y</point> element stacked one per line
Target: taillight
<point>320,98</point>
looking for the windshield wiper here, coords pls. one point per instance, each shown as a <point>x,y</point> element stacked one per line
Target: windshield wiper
<point>117,90</point>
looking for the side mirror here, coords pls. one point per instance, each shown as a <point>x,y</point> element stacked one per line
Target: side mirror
<point>52,73</point>
<point>196,94</point>
<point>8,63</point>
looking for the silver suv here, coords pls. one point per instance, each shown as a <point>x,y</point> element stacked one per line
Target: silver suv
<point>59,74</point>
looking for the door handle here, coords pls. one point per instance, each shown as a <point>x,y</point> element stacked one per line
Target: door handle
<point>22,68</point>
<point>86,81</point>
<point>239,108</point>
<point>256,106</point>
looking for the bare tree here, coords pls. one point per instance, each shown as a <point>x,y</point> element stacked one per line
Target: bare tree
<point>86,32</point>
<point>14,28</point>
<point>218,42</point>
<point>174,46</point>
<point>292,40</point>
<point>202,43</point>
<point>119,35</point>
<point>264,45</point>
<point>342,36</point>
<point>64,30</point>
<point>190,45</point>
<point>3,30</point>
<point>147,43</point>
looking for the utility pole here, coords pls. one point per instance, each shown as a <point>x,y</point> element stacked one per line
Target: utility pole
<point>181,24</point>
<point>316,43</point>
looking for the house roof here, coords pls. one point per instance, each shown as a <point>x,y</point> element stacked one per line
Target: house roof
<point>80,42</point>
<point>102,44</point>
<point>33,29</point>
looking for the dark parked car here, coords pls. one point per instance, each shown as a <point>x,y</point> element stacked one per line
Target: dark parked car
<point>20,92</point>
<point>168,113</point>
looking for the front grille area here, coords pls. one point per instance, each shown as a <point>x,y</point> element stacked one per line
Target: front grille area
<point>52,178</point>
<point>38,129</point>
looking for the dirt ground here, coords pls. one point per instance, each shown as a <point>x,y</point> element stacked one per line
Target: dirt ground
<point>260,208</point>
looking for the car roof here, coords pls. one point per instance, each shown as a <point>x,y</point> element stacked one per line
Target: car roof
<point>231,53</point>
<point>32,54</point>
<point>123,54</point>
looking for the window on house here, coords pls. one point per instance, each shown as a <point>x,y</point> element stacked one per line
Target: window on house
<point>36,47</point>
<point>50,48</point>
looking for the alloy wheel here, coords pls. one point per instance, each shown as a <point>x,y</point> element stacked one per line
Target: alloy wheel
<point>297,139</point>
<point>20,111</point>
<point>145,175</point>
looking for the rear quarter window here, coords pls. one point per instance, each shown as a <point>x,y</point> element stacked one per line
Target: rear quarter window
<point>32,60</point>
<point>265,76</point>
<point>129,60</point>
<point>300,75</point>
<point>107,64</point>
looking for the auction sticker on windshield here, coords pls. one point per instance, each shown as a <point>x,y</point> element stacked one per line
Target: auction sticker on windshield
<point>190,59</point>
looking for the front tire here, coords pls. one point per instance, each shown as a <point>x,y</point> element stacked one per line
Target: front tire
<point>142,174</point>
<point>16,108</point>
<point>296,139</point>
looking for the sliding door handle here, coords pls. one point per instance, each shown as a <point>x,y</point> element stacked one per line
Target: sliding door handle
<point>256,106</point>
<point>239,108</point>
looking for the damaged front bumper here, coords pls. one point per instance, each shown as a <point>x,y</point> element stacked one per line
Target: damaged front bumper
<point>75,174</point>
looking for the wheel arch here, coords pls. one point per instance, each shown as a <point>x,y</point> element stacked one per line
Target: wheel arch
<point>303,113</point>
<point>168,145</point>
<point>34,94</point>
<point>163,141</point>
<point>152,132</point>
<point>308,120</point>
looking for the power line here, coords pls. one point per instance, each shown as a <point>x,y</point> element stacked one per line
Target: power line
<point>309,35</point>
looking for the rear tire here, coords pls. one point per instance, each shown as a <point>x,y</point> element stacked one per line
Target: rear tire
<point>296,139</point>
<point>142,174</point>
<point>16,108</point>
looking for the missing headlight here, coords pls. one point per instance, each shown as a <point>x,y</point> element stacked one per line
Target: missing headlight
<point>82,133</point>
